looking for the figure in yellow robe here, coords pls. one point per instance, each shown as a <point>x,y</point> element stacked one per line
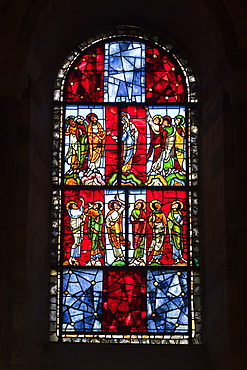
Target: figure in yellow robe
<point>96,141</point>
<point>114,224</point>
<point>158,223</point>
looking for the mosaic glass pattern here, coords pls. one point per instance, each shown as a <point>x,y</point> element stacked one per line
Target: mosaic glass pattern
<point>164,80</point>
<point>86,78</point>
<point>125,226</point>
<point>125,71</point>
<point>82,300</point>
<point>167,301</point>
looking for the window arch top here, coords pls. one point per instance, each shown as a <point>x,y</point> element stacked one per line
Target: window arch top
<point>125,71</point>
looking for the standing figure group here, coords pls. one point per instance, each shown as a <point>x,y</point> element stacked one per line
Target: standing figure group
<point>85,150</point>
<point>166,147</point>
<point>92,216</point>
<point>160,224</point>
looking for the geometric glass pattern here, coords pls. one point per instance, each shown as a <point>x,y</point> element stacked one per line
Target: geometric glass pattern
<point>125,76</point>
<point>125,262</point>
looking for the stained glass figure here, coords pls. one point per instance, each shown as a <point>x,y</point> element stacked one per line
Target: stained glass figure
<point>167,301</point>
<point>86,77</point>
<point>166,236</point>
<point>158,226</point>
<point>82,300</point>
<point>166,156</point>
<point>87,139</point>
<point>84,233</point>
<point>124,71</point>
<point>124,302</point>
<point>164,80</point>
<point>137,227</point>
<point>115,225</point>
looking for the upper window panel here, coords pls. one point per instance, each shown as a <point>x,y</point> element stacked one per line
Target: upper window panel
<point>126,71</point>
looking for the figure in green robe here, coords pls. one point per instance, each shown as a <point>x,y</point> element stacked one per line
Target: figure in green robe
<point>95,225</point>
<point>175,226</point>
<point>138,219</point>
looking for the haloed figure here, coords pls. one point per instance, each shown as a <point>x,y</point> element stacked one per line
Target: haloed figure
<point>96,141</point>
<point>180,135</point>
<point>175,226</point>
<point>138,219</point>
<point>158,223</point>
<point>77,218</point>
<point>157,143</point>
<point>95,225</point>
<point>114,224</point>
<point>72,155</point>
<point>129,138</point>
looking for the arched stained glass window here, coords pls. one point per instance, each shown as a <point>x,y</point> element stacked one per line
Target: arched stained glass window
<point>124,250</point>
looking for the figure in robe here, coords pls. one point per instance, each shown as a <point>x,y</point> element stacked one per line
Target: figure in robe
<point>96,141</point>
<point>175,226</point>
<point>129,139</point>
<point>157,142</point>
<point>180,135</point>
<point>138,219</point>
<point>72,154</point>
<point>114,224</point>
<point>170,161</point>
<point>95,225</point>
<point>77,218</point>
<point>82,143</point>
<point>158,223</point>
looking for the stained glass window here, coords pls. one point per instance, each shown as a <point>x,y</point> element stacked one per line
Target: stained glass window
<point>125,264</point>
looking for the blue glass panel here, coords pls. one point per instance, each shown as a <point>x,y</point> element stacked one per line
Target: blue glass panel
<point>167,303</point>
<point>82,300</point>
<point>124,72</point>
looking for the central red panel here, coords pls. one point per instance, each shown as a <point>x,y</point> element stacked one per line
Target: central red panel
<point>124,308</point>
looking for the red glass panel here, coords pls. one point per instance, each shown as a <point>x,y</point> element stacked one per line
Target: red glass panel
<point>164,82</point>
<point>124,297</point>
<point>86,77</point>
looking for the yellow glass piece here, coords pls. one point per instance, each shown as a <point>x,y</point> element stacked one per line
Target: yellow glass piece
<point>93,282</point>
<point>156,283</point>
